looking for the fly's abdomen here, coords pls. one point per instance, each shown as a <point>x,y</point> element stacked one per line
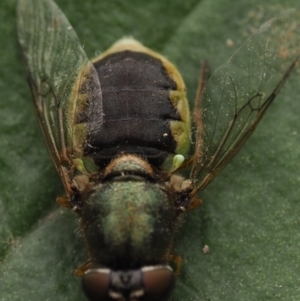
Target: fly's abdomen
<point>144,104</point>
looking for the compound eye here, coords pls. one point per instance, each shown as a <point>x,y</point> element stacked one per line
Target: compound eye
<point>158,283</point>
<point>95,284</point>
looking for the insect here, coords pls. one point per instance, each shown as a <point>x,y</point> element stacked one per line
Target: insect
<point>118,131</point>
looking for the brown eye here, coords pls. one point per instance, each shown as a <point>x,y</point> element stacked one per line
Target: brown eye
<point>158,283</point>
<point>151,283</point>
<point>95,284</point>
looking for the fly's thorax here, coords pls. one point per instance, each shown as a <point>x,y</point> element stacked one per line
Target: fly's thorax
<point>145,109</point>
<point>129,219</point>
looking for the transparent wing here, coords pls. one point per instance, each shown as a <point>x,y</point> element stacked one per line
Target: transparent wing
<point>238,94</point>
<point>62,81</point>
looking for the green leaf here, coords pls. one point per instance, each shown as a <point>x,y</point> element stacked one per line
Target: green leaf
<point>249,219</point>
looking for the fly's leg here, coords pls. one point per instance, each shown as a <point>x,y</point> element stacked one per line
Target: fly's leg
<point>64,201</point>
<point>177,260</point>
<point>194,203</point>
<point>79,272</point>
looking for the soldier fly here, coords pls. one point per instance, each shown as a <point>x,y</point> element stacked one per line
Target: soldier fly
<point>118,130</point>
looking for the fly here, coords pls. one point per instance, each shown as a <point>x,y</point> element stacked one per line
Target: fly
<point>118,129</point>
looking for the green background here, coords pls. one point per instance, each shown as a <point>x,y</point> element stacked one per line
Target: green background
<point>250,217</point>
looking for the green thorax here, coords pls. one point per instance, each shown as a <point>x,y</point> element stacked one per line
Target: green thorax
<point>129,218</point>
